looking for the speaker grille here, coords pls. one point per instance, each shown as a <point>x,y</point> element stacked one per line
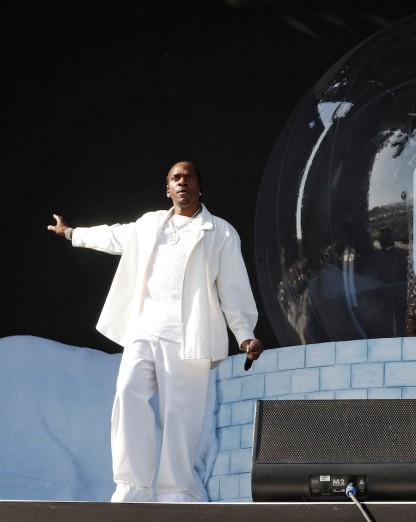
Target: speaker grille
<point>307,431</point>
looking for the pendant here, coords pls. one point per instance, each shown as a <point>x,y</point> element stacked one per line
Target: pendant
<point>173,238</point>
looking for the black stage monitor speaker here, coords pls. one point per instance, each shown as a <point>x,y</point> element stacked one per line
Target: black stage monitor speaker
<point>310,450</point>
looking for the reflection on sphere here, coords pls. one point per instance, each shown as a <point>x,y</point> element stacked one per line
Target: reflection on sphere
<point>334,219</point>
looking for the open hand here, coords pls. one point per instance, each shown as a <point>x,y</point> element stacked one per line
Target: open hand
<point>60,227</point>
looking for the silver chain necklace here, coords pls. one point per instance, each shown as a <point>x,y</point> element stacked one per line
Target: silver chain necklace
<point>174,237</point>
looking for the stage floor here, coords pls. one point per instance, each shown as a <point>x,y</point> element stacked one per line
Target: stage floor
<point>44,511</point>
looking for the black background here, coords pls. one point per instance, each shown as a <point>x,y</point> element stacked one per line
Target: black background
<point>100,98</point>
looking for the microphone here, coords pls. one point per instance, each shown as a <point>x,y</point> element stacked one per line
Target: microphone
<point>247,364</point>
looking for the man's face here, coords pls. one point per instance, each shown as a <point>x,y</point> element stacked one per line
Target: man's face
<point>183,185</point>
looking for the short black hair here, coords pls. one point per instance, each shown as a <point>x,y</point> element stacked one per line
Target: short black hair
<point>189,164</point>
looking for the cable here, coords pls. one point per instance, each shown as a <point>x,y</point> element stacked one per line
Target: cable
<point>350,492</point>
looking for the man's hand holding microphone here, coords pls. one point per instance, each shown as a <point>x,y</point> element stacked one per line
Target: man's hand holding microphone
<point>253,349</point>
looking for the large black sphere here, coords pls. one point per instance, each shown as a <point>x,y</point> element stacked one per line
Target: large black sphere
<point>334,218</point>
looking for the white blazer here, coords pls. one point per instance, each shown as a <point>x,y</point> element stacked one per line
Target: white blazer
<point>216,289</point>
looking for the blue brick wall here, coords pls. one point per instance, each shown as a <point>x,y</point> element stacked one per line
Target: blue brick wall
<point>363,369</point>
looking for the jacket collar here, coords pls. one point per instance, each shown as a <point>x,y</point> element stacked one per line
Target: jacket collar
<point>205,218</point>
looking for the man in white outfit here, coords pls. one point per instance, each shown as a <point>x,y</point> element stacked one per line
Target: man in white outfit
<point>180,281</point>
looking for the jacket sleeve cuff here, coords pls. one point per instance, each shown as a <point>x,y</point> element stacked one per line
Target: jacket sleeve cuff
<point>241,338</point>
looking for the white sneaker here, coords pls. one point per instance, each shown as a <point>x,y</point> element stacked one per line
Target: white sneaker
<point>176,497</point>
<point>130,493</point>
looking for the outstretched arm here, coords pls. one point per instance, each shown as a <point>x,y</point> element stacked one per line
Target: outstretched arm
<point>111,239</point>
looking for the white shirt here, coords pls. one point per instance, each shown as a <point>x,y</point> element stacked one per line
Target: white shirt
<point>161,307</point>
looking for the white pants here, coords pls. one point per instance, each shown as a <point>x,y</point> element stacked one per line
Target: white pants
<point>149,365</point>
